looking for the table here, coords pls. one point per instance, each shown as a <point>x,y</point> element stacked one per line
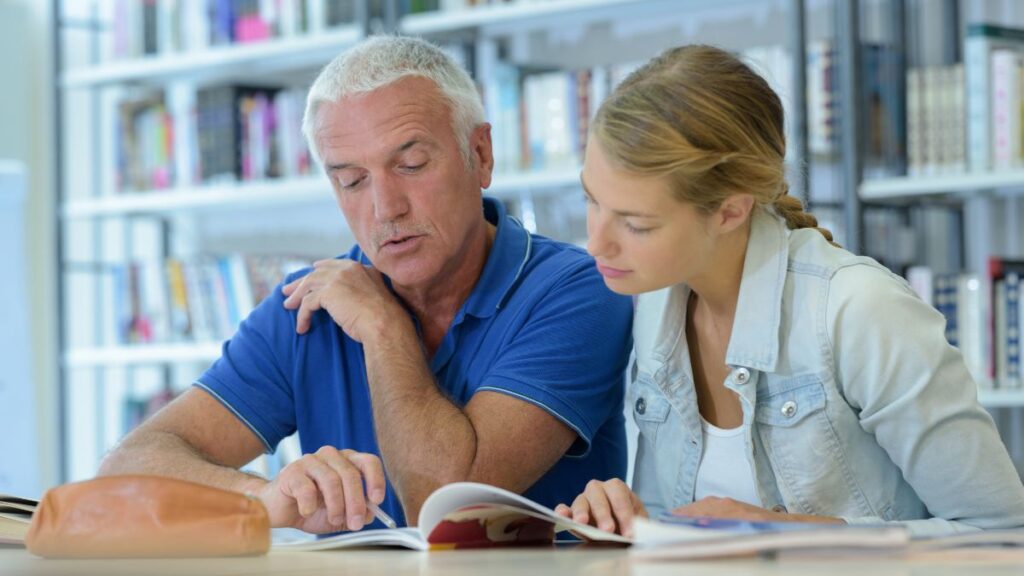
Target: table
<point>533,562</point>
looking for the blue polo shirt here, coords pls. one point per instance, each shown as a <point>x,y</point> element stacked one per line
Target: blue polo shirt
<point>539,325</point>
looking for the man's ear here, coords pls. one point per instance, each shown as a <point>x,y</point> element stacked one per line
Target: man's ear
<point>482,152</point>
<point>734,212</point>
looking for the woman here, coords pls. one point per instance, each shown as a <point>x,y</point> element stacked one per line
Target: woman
<point>777,376</point>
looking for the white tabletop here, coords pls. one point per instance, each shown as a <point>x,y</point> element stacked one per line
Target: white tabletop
<point>533,562</point>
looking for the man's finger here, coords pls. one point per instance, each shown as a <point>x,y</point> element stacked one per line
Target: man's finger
<point>288,288</point>
<point>331,489</point>
<point>300,288</point>
<point>373,474</point>
<point>300,488</point>
<point>310,304</point>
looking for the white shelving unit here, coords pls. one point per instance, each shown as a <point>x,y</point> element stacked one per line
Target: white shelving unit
<point>240,61</point>
<point>1001,398</point>
<point>516,16</point>
<point>275,193</point>
<point>964,186</point>
<point>142,354</point>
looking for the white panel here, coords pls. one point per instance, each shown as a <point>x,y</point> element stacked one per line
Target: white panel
<point>19,466</point>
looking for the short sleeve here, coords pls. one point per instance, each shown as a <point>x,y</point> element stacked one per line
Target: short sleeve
<point>252,378</point>
<point>570,356</point>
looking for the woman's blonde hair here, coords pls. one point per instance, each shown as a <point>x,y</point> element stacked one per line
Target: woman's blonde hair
<point>704,120</point>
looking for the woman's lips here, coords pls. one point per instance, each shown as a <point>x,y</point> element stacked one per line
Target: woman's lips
<point>609,272</point>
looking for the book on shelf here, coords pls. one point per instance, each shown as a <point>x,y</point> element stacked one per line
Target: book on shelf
<point>960,299</point>
<point>467,515</point>
<point>936,120</point>
<point>1006,102</point>
<point>201,298</point>
<point>15,516</point>
<point>144,140</point>
<point>142,28</point>
<point>1005,320</point>
<point>992,75</point>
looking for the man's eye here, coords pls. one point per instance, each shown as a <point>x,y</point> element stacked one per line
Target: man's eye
<point>349,185</point>
<point>413,167</point>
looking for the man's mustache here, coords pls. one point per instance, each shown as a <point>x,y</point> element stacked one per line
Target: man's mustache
<point>391,232</point>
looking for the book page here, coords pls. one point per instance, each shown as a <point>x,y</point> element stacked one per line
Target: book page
<point>13,528</point>
<point>494,510</point>
<point>404,537</point>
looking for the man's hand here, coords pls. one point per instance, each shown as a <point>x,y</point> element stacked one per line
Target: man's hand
<point>323,492</point>
<point>354,295</point>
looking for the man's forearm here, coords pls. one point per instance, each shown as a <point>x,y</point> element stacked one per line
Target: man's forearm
<point>425,440</point>
<point>165,454</point>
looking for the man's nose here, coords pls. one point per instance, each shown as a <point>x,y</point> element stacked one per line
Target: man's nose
<point>389,200</point>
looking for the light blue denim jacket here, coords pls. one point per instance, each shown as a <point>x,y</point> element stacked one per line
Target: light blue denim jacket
<point>854,405</point>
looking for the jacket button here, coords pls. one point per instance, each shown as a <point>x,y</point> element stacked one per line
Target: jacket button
<point>742,375</point>
<point>641,405</point>
<point>789,409</point>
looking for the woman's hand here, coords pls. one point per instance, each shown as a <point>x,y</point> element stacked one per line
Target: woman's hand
<point>715,507</point>
<point>609,505</point>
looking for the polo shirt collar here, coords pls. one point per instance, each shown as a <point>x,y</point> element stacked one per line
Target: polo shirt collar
<point>506,261</point>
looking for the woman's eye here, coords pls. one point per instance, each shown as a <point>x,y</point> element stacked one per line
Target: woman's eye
<point>638,231</point>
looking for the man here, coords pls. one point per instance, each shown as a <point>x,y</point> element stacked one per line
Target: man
<point>449,341</point>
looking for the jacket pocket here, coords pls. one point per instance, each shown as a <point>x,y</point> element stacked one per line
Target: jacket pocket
<point>788,403</point>
<point>803,448</point>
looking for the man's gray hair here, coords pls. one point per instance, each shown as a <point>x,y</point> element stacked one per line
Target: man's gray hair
<point>382,60</point>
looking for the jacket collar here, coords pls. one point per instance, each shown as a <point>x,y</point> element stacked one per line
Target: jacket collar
<point>661,315</point>
<point>755,329</point>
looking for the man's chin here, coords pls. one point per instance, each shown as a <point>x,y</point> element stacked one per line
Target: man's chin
<point>406,274</point>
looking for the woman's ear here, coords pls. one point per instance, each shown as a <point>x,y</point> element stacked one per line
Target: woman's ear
<point>733,212</point>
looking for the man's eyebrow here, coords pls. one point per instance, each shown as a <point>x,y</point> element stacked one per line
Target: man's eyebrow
<point>623,213</point>
<point>397,150</point>
<point>408,145</point>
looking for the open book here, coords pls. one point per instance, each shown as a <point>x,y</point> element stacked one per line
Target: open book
<point>467,515</point>
<point>15,516</point>
<point>671,537</point>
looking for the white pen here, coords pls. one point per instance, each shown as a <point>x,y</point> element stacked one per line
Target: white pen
<point>381,515</point>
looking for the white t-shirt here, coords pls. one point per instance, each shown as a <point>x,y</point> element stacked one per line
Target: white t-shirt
<point>724,469</point>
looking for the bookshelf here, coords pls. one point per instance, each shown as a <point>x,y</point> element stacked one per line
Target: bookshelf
<point>106,227</point>
<point>954,198</point>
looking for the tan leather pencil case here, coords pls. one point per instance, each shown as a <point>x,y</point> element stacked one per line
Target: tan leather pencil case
<point>146,517</point>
